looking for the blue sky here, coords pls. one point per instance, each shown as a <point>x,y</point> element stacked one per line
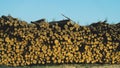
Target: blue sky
<point>83,11</point>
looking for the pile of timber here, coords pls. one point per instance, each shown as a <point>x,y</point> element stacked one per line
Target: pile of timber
<point>57,42</point>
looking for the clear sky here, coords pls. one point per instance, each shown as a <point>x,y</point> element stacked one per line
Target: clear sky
<point>83,11</point>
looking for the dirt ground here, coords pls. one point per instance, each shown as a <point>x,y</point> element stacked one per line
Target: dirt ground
<point>71,66</point>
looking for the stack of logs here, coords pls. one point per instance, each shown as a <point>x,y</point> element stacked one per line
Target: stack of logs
<point>57,42</point>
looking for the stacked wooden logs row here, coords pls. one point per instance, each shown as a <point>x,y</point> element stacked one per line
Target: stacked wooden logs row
<point>57,42</point>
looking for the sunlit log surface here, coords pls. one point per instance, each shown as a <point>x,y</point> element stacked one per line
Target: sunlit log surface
<point>57,42</point>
